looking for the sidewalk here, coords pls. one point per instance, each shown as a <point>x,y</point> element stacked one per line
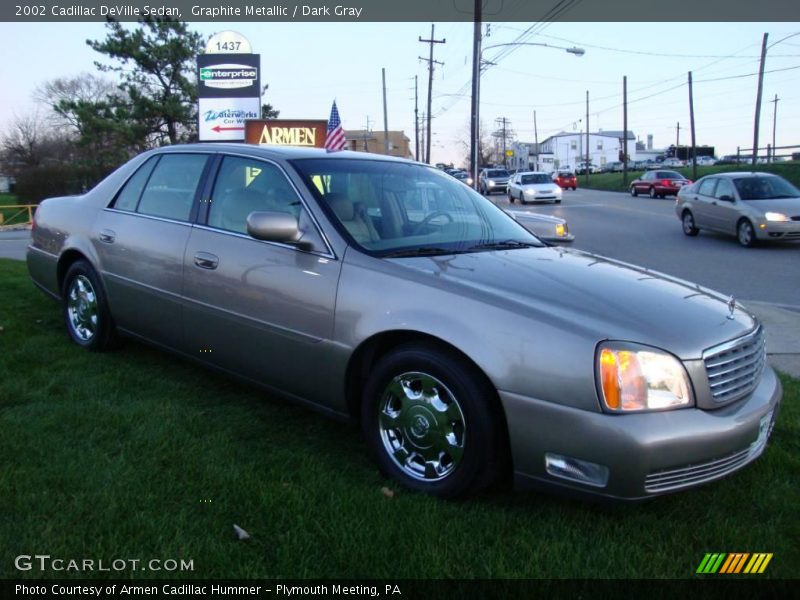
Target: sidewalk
<point>14,241</point>
<point>782,326</point>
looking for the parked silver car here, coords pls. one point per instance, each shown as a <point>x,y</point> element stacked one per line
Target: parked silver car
<point>388,292</point>
<point>751,206</point>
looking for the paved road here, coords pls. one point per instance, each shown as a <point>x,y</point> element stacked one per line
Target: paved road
<point>13,244</point>
<point>646,231</point>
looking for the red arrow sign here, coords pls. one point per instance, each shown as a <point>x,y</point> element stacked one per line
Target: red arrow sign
<point>218,128</point>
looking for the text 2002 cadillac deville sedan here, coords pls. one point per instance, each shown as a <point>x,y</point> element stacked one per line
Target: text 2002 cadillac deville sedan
<point>389,292</point>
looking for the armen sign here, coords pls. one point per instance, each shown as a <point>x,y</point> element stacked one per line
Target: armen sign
<point>282,132</point>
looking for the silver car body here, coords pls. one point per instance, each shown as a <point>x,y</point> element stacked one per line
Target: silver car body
<point>716,204</point>
<point>310,322</point>
<point>533,186</point>
<point>546,227</point>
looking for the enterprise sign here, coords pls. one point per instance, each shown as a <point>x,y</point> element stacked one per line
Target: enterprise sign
<point>228,76</point>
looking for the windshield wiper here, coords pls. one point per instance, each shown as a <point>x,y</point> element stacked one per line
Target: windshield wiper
<point>504,245</point>
<point>424,251</point>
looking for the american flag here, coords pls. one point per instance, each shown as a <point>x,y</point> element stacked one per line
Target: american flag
<point>334,140</point>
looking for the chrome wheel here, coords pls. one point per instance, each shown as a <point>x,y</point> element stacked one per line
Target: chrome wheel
<point>422,426</point>
<point>82,308</point>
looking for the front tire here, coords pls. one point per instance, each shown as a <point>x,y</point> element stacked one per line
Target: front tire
<point>634,191</point>
<point>431,422</point>
<point>510,197</point>
<point>689,227</point>
<point>85,308</point>
<point>746,234</point>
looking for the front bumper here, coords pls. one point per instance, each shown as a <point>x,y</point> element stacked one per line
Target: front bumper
<point>778,230</point>
<point>646,454</point>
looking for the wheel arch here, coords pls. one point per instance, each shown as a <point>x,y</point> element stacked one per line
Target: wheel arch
<point>65,261</point>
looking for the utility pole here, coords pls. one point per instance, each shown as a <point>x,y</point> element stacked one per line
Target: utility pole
<point>366,134</point>
<point>503,134</point>
<point>385,116</point>
<point>431,62</point>
<point>774,123</point>
<point>678,138</point>
<point>691,124</point>
<point>587,137</point>
<point>416,120</point>
<point>474,134</point>
<point>758,97</point>
<point>422,138</point>
<point>536,140</point>
<point>625,130</point>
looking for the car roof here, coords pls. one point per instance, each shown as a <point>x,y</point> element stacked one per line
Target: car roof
<point>280,152</point>
<point>743,174</point>
<point>532,173</point>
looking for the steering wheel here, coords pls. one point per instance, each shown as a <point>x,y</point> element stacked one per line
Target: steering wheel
<point>427,220</point>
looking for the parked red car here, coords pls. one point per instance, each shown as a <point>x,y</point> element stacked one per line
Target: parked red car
<point>659,184</point>
<point>566,180</point>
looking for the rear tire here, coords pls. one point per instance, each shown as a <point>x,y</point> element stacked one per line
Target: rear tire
<point>688,224</point>
<point>432,423</point>
<point>653,193</point>
<point>85,309</point>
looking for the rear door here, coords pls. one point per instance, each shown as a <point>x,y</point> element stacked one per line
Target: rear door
<point>701,200</point>
<point>140,239</point>
<point>260,309</point>
<point>724,213</point>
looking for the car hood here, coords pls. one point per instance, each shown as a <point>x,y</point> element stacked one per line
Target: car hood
<point>539,187</point>
<point>521,215</point>
<point>787,206</point>
<point>604,298</point>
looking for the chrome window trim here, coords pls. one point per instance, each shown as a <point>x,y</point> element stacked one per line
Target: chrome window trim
<point>144,216</point>
<point>320,230</point>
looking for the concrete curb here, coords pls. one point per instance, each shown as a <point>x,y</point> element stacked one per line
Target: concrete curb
<point>782,327</point>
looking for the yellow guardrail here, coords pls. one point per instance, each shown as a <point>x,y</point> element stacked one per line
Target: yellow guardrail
<point>22,215</point>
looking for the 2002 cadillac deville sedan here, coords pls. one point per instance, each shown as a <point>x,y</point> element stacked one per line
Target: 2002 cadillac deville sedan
<point>389,292</point>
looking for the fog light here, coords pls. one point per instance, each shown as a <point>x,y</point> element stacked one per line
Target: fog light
<point>573,469</point>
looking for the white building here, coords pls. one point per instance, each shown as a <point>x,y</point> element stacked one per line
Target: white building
<point>565,150</point>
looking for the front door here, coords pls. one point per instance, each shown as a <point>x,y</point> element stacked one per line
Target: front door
<point>260,309</point>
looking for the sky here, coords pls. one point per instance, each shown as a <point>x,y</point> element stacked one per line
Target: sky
<point>307,65</point>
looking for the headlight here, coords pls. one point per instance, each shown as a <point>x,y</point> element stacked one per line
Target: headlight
<point>638,378</point>
<point>469,181</point>
<point>773,216</point>
<point>561,229</point>
<point>490,182</point>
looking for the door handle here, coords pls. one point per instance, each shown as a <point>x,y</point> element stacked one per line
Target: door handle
<point>204,260</point>
<point>107,236</point>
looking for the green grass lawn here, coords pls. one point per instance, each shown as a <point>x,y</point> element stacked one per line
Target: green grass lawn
<point>612,182</point>
<point>138,455</point>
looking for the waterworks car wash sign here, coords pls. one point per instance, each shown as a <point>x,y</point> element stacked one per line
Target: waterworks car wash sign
<point>284,132</point>
<point>228,88</point>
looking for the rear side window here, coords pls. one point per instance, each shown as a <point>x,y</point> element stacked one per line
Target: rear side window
<point>707,187</point>
<point>169,192</point>
<point>128,197</point>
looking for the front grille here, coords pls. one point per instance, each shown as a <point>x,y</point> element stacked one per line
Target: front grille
<point>733,368</point>
<point>689,475</point>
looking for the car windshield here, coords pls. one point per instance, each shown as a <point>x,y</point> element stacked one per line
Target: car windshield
<point>764,188</point>
<point>534,178</point>
<point>497,173</point>
<point>669,175</point>
<point>406,209</point>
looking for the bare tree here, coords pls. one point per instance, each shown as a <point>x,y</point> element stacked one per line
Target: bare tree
<point>29,142</point>
<point>485,146</point>
<point>61,93</point>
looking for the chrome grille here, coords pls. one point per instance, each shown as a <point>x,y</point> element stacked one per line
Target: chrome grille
<point>733,368</point>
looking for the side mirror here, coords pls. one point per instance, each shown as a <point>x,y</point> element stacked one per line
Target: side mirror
<point>726,198</point>
<point>276,227</point>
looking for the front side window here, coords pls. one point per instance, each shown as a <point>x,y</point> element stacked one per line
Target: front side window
<point>172,185</point>
<point>389,208</point>
<point>724,188</point>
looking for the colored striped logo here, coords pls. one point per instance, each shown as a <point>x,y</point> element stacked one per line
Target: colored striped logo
<point>734,563</point>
